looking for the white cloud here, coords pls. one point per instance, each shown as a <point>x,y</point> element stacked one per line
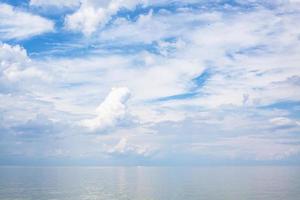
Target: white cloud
<point>123,147</point>
<point>18,24</point>
<point>15,64</point>
<point>12,54</point>
<point>110,111</point>
<point>15,74</point>
<point>94,14</point>
<point>86,19</point>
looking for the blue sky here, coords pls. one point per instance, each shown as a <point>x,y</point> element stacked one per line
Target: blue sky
<point>166,82</point>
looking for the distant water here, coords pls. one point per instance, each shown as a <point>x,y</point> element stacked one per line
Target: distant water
<point>150,183</point>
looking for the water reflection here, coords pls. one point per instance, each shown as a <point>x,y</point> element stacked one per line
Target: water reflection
<point>157,183</point>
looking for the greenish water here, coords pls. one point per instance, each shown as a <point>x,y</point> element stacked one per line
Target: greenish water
<point>150,183</point>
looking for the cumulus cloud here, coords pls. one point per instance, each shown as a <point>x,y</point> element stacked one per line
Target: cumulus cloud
<point>18,24</point>
<point>15,64</point>
<point>94,14</point>
<point>12,54</point>
<point>110,111</point>
<point>123,147</point>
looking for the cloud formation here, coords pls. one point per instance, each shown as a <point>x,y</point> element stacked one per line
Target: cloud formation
<point>18,24</point>
<point>15,65</point>
<point>124,148</point>
<point>211,80</point>
<point>110,111</point>
<point>95,14</point>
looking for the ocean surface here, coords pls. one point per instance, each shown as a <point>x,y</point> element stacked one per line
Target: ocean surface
<point>150,183</point>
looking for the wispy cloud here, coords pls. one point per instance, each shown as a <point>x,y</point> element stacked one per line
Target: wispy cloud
<point>18,24</point>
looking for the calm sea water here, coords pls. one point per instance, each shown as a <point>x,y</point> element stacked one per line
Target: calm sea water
<point>147,183</point>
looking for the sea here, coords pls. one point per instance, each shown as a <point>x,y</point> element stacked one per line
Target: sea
<point>150,183</point>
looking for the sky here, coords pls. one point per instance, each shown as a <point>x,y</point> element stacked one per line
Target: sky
<point>141,82</point>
